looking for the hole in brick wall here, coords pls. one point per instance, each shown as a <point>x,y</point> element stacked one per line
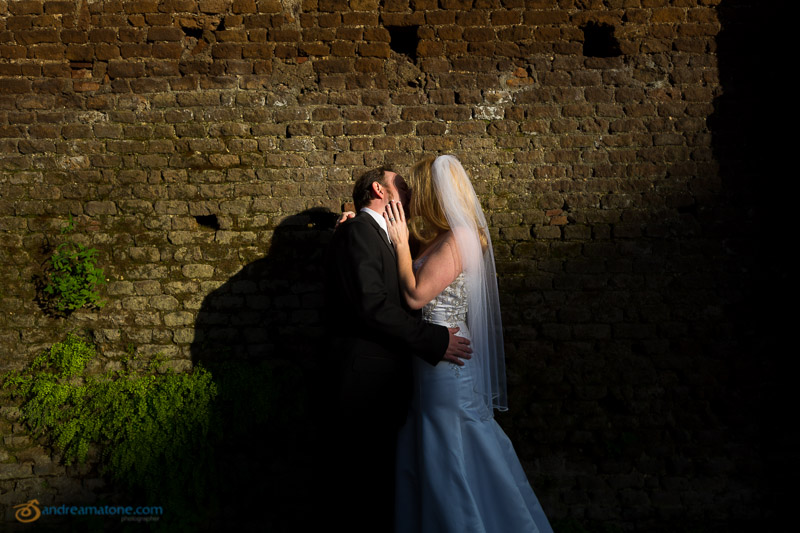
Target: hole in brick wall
<point>208,221</point>
<point>197,33</point>
<point>599,40</point>
<point>404,40</point>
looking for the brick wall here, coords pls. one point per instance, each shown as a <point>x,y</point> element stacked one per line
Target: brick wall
<point>202,145</point>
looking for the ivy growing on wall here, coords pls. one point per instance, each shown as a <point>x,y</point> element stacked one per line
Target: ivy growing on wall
<point>72,279</point>
<point>154,428</point>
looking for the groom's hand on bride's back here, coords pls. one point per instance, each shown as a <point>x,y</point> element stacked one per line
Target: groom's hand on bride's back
<point>457,348</point>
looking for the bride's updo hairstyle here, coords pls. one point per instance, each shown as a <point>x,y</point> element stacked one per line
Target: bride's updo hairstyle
<point>427,217</point>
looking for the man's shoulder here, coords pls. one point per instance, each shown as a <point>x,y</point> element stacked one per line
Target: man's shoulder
<point>357,224</point>
<point>354,232</point>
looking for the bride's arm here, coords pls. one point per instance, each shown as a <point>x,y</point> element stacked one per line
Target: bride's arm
<point>440,268</point>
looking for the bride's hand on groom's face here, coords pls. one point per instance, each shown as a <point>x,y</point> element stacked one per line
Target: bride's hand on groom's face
<point>396,222</point>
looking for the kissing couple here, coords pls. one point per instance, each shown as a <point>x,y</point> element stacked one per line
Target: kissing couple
<point>420,342</point>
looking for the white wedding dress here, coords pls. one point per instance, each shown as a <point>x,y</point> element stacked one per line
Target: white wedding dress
<point>457,470</point>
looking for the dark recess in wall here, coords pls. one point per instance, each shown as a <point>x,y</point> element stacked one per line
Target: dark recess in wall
<point>197,33</point>
<point>599,40</point>
<point>208,221</point>
<point>404,40</point>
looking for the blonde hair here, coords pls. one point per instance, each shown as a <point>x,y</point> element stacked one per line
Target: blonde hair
<point>428,220</point>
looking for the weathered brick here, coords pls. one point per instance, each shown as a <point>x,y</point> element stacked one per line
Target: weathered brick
<point>374,49</point>
<point>226,51</point>
<point>125,69</point>
<point>333,65</point>
<point>14,86</point>
<point>166,33</point>
<point>25,7</point>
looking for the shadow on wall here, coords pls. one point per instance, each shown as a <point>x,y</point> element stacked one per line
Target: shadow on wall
<point>660,353</point>
<point>753,152</point>
<point>261,336</point>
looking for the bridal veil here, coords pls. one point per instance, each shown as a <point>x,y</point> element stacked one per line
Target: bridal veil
<point>466,219</point>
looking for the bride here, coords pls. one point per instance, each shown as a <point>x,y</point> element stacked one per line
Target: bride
<point>456,469</point>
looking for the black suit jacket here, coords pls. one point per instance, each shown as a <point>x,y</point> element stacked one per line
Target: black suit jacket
<point>375,332</point>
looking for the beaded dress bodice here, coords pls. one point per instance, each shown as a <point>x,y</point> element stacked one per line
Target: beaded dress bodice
<point>449,308</point>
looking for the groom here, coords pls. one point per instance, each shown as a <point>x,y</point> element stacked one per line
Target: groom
<point>376,335</point>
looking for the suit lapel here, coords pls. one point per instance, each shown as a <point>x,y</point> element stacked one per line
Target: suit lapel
<point>379,229</point>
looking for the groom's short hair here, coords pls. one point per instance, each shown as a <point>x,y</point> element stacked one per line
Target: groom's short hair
<point>362,190</point>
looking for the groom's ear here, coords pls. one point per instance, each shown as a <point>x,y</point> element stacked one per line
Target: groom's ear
<point>377,189</point>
